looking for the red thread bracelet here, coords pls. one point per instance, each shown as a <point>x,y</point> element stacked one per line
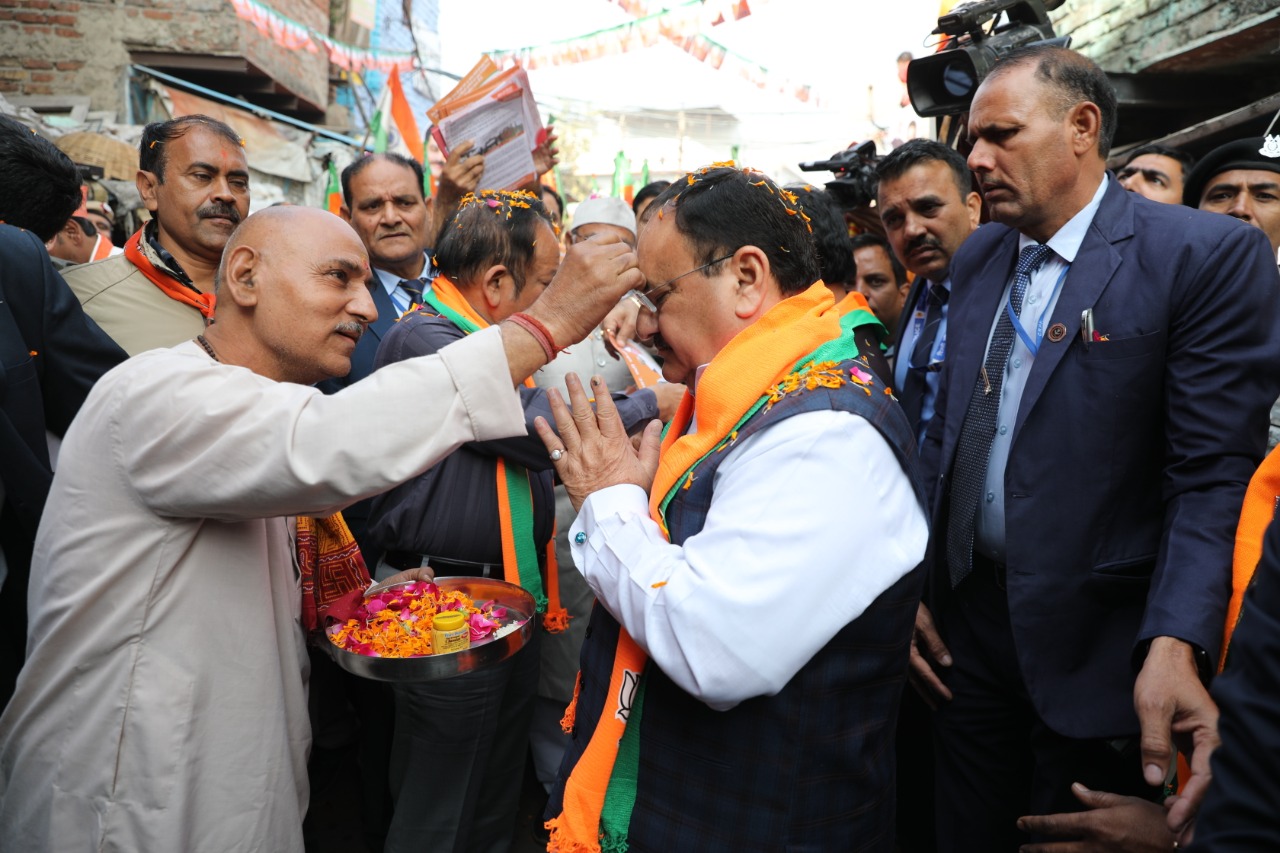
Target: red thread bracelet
<point>546,333</point>
<point>538,331</point>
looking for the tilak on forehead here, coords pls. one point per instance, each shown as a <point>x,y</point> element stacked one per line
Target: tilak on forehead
<point>789,200</point>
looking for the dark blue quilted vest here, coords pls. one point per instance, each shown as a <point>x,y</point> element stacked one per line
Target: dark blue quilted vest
<point>810,769</point>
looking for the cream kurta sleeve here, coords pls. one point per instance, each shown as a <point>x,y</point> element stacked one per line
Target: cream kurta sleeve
<point>249,447</point>
<point>163,703</point>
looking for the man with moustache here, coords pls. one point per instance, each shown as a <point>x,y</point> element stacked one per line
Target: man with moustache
<point>929,208</point>
<point>1241,179</point>
<point>1101,411</point>
<point>164,704</point>
<point>383,200</point>
<point>194,178</point>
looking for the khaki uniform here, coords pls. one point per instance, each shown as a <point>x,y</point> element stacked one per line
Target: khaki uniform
<point>135,313</point>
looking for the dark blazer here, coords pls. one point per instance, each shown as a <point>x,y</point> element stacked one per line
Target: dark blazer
<point>1241,812</point>
<point>367,346</point>
<point>1130,456</point>
<point>357,515</point>
<point>51,354</point>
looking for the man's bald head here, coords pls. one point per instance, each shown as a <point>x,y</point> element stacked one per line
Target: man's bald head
<point>289,231</point>
<point>293,295</point>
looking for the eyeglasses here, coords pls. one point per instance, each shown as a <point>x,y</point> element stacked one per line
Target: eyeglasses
<point>651,297</point>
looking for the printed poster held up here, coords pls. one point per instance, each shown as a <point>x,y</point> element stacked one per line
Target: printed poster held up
<point>495,109</point>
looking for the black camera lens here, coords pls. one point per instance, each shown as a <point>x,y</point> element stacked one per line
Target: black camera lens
<point>958,78</point>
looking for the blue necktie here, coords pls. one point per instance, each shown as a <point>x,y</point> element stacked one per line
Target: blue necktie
<point>979,430</point>
<point>413,287</point>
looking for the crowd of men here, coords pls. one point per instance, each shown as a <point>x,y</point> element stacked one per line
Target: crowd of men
<point>1001,463</point>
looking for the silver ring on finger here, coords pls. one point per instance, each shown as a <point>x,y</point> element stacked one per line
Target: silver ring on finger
<point>557,455</point>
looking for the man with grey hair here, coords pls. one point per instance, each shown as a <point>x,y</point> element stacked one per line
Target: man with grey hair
<point>1103,405</point>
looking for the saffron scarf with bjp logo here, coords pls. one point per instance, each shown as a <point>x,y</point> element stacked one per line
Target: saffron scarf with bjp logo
<point>797,339</point>
<point>515,499</point>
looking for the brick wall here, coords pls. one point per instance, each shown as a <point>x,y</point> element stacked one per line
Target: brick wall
<point>1129,35</point>
<point>81,47</point>
<point>306,74</point>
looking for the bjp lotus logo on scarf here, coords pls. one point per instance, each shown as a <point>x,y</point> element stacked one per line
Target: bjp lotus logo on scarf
<point>626,694</point>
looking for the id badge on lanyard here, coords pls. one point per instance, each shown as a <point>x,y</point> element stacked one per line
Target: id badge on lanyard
<point>1033,346</point>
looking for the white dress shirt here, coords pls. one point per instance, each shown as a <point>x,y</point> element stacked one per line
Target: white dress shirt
<point>812,519</point>
<point>1037,309</point>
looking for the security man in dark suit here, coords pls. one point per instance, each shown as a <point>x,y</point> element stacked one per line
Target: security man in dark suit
<point>1103,405</point>
<point>51,354</point>
<point>928,208</point>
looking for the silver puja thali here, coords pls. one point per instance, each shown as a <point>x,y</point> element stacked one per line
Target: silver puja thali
<point>487,652</point>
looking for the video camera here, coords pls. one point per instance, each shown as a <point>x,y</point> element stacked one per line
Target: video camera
<point>943,83</point>
<point>855,182</point>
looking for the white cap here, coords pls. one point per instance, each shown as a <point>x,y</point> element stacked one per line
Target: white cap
<point>605,210</point>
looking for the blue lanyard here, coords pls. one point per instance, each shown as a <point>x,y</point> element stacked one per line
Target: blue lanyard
<point>1034,346</point>
<point>917,326</point>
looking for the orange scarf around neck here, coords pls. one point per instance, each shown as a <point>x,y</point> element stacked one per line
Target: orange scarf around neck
<point>1260,502</point>
<point>755,360</point>
<point>170,286</point>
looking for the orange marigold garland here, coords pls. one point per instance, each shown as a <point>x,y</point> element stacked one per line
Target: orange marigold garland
<point>396,623</point>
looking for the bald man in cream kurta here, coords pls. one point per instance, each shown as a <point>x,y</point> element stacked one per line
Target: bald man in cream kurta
<point>163,702</point>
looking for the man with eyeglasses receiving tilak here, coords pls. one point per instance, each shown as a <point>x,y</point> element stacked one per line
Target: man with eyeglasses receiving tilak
<point>739,679</point>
